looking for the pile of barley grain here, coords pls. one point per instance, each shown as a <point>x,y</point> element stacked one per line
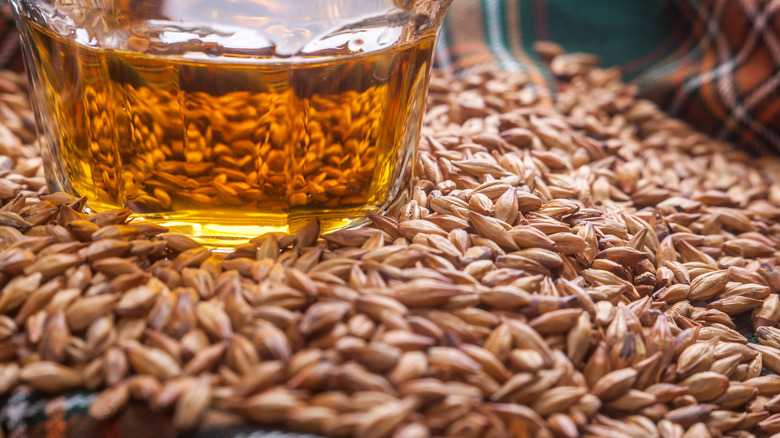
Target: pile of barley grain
<point>576,270</point>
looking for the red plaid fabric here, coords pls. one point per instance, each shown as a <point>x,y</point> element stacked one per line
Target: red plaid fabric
<point>713,63</point>
<point>726,79</point>
<point>10,50</point>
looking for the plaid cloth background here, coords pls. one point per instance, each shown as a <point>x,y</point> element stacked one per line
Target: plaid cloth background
<point>714,63</point>
<point>32,414</point>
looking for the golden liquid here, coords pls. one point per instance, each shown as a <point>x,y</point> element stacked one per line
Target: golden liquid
<point>225,147</point>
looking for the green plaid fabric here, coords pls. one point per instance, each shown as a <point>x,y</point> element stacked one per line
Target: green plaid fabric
<point>713,63</point>
<point>632,35</point>
<point>31,414</point>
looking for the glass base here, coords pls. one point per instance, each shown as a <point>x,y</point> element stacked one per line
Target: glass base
<point>222,232</point>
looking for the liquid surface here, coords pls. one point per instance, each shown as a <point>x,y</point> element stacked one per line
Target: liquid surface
<point>226,124</point>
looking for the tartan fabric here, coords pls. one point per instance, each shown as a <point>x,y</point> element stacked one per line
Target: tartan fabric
<point>728,82</point>
<point>713,63</point>
<point>632,35</point>
<point>10,50</point>
<point>31,414</point>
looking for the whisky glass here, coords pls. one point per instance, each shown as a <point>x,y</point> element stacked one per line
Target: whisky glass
<point>227,119</point>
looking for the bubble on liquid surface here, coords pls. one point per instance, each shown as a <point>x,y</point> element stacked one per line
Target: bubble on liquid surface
<point>355,44</point>
<point>355,41</point>
<point>288,41</point>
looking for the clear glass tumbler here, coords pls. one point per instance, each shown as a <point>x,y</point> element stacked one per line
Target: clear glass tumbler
<point>226,119</point>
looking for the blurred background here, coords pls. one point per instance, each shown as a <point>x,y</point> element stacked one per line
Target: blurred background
<point>713,63</point>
